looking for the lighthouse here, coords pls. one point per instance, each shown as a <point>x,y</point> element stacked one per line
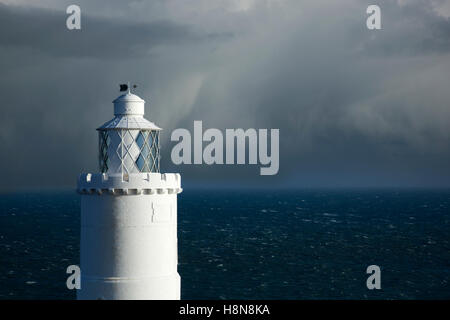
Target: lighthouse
<point>128,245</point>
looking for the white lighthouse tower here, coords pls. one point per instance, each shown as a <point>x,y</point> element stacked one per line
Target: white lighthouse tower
<point>129,213</point>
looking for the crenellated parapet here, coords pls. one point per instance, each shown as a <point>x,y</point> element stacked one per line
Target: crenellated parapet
<point>129,184</point>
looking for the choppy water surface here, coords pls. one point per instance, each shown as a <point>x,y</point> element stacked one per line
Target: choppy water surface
<point>254,245</point>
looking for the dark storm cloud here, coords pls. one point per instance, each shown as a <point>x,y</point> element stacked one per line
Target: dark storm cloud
<point>51,83</point>
<point>412,29</point>
<point>354,107</point>
<point>43,30</point>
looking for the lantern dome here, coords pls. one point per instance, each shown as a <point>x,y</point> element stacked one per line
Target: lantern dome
<point>128,104</point>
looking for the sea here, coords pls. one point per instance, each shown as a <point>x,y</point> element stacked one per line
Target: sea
<point>254,244</point>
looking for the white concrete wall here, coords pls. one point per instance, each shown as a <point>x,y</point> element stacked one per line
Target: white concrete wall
<point>129,247</point>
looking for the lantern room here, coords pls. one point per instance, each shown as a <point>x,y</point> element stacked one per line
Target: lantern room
<point>129,143</point>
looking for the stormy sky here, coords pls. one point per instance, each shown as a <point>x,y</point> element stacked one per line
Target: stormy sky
<point>355,107</point>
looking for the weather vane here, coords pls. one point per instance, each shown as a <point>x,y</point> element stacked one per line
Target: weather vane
<point>125,87</point>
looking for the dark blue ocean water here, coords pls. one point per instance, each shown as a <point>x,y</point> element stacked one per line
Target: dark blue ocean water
<point>254,245</point>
